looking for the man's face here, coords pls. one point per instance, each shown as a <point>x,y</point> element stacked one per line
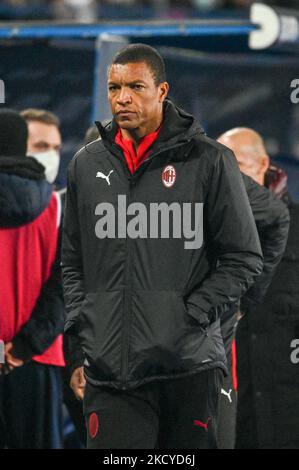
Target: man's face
<point>135,100</point>
<point>249,165</point>
<point>43,137</point>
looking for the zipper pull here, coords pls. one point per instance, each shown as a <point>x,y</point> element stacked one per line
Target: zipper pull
<point>132,181</point>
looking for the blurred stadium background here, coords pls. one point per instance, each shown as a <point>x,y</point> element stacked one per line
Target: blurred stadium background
<point>212,74</point>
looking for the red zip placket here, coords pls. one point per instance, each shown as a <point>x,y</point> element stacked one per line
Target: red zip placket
<point>133,158</point>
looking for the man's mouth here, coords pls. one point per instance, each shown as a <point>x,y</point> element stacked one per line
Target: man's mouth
<point>124,113</point>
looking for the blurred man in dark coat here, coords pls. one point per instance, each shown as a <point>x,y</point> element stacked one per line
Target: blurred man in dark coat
<point>268,379</point>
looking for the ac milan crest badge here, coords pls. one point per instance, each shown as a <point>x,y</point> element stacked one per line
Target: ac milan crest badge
<point>168,176</point>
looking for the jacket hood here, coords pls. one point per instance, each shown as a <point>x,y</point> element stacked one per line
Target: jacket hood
<point>13,133</point>
<point>177,126</point>
<point>24,192</point>
<point>27,167</point>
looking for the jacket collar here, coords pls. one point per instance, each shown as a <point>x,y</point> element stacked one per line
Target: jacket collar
<point>177,127</point>
<point>25,167</point>
<point>24,191</point>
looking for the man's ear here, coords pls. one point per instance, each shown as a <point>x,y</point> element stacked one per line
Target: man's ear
<point>163,91</point>
<point>265,163</point>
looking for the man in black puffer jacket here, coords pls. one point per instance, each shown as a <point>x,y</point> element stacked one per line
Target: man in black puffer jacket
<point>159,240</point>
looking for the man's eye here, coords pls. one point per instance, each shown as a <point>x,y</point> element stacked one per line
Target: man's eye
<point>42,146</point>
<point>137,87</point>
<point>112,88</point>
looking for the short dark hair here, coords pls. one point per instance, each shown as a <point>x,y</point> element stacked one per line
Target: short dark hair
<point>143,53</point>
<point>40,115</point>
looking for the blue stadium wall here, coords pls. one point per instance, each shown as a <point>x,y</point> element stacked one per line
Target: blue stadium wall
<point>223,89</point>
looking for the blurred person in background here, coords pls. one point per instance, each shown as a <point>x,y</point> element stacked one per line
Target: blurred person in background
<point>44,139</point>
<point>272,221</point>
<point>268,381</point>
<point>44,144</point>
<point>77,10</point>
<point>207,4</point>
<point>31,304</point>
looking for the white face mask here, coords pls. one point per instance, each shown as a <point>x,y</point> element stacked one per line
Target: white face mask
<point>50,160</point>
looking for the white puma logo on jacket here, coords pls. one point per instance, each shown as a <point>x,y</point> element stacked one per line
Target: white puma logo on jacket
<point>101,175</point>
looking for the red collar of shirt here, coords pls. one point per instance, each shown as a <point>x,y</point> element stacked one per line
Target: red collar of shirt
<point>133,158</point>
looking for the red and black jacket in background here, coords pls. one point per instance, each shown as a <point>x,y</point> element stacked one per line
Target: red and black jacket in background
<point>31,301</point>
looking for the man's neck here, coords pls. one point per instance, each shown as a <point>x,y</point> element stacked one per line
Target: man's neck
<point>136,135</point>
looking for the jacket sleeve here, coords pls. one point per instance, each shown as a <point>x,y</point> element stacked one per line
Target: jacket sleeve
<point>47,319</point>
<point>231,239</point>
<point>272,220</point>
<point>72,269</point>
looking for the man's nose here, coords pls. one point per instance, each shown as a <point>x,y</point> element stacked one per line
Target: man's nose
<point>124,96</point>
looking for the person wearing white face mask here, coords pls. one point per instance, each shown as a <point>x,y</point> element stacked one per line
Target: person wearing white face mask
<point>44,140</point>
<point>44,144</point>
<point>50,160</point>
